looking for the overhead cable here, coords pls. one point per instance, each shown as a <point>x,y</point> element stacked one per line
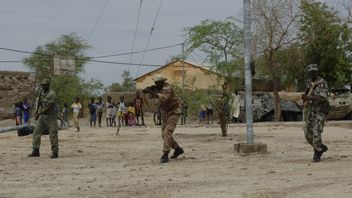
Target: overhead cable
<point>150,35</point>
<point>135,33</point>
<point>97,22</point>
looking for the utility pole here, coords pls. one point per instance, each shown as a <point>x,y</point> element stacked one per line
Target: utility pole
<point>250,146</point>
<point>248,73</point>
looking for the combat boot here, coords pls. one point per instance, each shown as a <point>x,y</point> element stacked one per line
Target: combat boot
<point>35,153</point>
<point>164,158</point>
<point>54,156</point>
<point>178,151</point>
<point>323,150</point>
<point>316,157</point>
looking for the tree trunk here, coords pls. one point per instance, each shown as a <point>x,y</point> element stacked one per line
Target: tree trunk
<point>277,105</point>
<point>223,122</point>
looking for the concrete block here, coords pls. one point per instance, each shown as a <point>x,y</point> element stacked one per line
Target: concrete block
<point>245,148</point>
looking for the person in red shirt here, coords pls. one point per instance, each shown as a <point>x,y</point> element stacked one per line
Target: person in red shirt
<point>138,105</point>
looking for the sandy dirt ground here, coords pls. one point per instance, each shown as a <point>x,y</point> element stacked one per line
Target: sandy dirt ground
<point>96,163</point>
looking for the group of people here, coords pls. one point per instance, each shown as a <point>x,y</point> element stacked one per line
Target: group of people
<point>22,112</point>
<point>124,113</point>
<point>315,112</point>
<point>127,114</point>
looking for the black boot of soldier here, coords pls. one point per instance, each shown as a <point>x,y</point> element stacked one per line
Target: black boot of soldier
<point>164,158</point>
<point>54,156</point>
<point>316,157</point>
<point>178,151</point>
<point>35,153</point>
<point>323,150</point>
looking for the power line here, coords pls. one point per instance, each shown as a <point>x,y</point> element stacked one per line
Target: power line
<point>137,52</point>
<point>9,61</point>
<point>92,57</point>
<point>150,35</point>
<point>97,22</point>
<point>135,33</point>
<point>122,63</point>
<point>22,51</point>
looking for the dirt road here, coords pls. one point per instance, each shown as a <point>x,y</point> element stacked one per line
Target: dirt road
<point>96,163</point>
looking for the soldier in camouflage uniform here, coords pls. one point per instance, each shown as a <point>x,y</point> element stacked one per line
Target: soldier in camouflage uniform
<point>170,107</point>
<point>315,111</point>
<point>46,120</point>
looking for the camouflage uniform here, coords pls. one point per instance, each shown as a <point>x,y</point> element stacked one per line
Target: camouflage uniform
<point>47,122</point>
<point>314,115</point>
<point>170,107</point>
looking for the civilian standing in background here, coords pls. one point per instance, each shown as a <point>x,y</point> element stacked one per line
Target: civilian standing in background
<point>76,109</point>
<point>100,106</point>
<point>109,108</point>
<point>64,114</point>
<point>26,110</point>
<point>18,113</point>
<point>93,112</point>
<point>138,105</point>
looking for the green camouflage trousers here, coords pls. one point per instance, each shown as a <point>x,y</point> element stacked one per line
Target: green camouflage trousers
<point>168,125</point>
<point>314,124</point>
<point>46,123</point>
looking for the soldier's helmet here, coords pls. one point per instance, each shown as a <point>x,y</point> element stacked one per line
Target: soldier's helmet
<point>159,77</point>
<point>312,67</point>
<point>45,82</point>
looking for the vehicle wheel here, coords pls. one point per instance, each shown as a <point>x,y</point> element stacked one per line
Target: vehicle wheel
<point>349,116</point>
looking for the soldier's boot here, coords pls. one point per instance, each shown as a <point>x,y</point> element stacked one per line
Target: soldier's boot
<point>316,157</point>
<point>178,151</point>
<point>323,150</point>
<point>77,129</point>
<point>54,155</point>
<point>165,157</point>
<point>35,153</point>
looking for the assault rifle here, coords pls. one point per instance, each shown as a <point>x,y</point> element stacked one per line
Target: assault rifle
<point>151,89</point>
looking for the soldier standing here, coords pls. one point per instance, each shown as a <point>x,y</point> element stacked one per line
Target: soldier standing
<point>316,108</point>
<point>170,107</point>
<point>46,120</point>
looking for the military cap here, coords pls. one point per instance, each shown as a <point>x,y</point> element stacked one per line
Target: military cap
<point>159,77</point>
<point>45,81</point>
<point>312,67</point>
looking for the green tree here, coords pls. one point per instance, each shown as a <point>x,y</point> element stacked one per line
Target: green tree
<point>275,31</point>
<point>127,82</point>
<point>114,87</point>
<point>41,65</point>
<point>222,43</point>
<point>327,41</point>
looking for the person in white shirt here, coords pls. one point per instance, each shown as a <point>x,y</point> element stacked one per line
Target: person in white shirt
<point>76,106</point>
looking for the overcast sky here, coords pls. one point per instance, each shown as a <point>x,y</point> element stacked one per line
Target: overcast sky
<point>26,24</point>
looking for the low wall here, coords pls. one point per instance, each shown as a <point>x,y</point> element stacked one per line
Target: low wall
<point>14,86</point>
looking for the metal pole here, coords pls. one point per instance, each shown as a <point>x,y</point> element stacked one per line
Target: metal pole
<point>248,73</point>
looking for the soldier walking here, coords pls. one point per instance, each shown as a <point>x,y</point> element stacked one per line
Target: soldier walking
<point>316,109</point>
<point>170,107</point>
<point>46,120</point>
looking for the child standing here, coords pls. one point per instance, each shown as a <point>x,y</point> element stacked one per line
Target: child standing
<point>131,114</point>
<point>99,106</point>
<point>202,114</point>
<point>109,107</point>
<point>93,112</point>
<point>26,110</point>
<point>18,113</point>
<point>121,111</point>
